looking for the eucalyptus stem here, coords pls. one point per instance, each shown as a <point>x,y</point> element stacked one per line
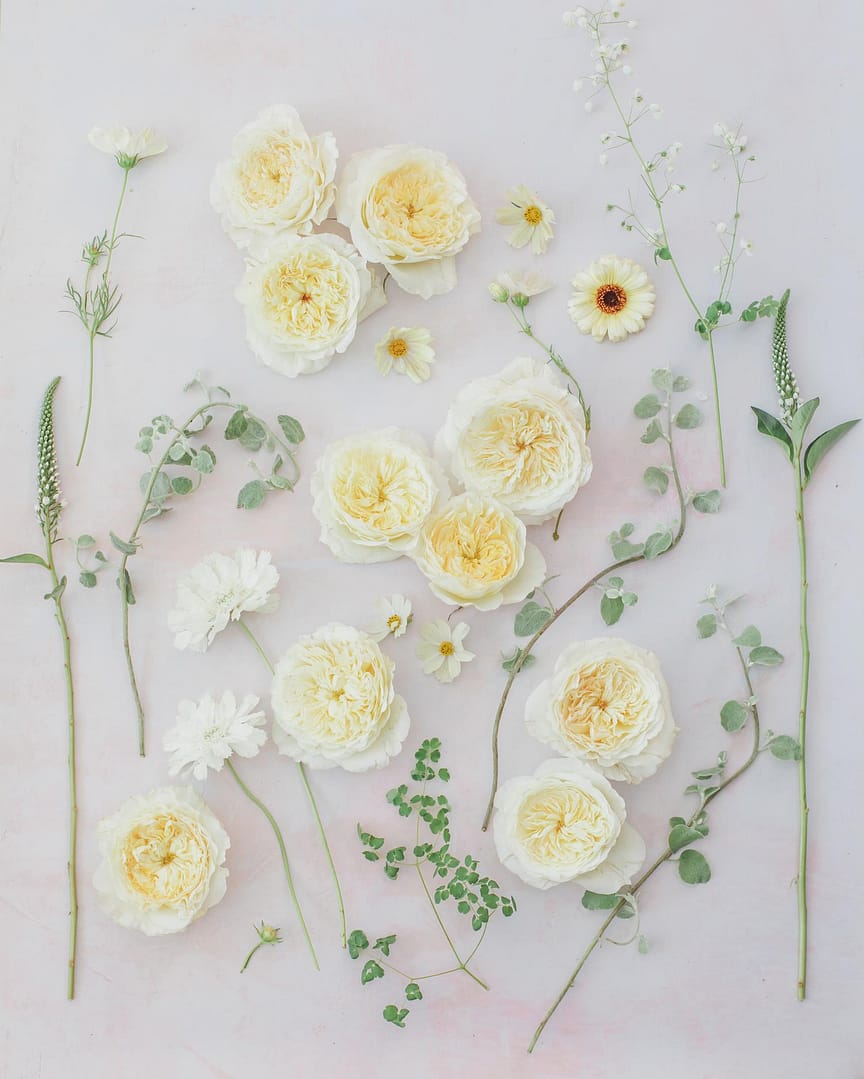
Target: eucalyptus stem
<point>256,801</point>
<point>312,801</point>
<point>804,808</point>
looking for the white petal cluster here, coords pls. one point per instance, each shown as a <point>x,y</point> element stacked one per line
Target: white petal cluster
<point>125,146</point>
<point>442,649</point>
<point>612,298</point>
<point>393,616</point>
<point>530,217</point>
<point>209,731</point>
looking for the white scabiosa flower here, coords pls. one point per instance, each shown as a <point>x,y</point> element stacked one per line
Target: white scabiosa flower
<point>566,823</point>
<point>219,590</point>
<point>407,351</point>
<point>612,298</point>
<point>531,218</point>
<point>518,437</point>
<point>209,731</point>
<point>607,703</point>
<point>372,493</point>
<point>393,616</point>
<point>441,649</point>
<point>125,146</point>
<point>408,208</point>
<point>334,703</point>
<point>303,299</point>
<point>278,180</point>
<point>474,553</point>
<point>162,861</point>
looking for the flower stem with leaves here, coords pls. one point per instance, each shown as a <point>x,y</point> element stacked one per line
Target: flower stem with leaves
<point>789,430</point>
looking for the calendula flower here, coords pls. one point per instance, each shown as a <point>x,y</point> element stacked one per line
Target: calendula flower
<point>612,298</point>
<point>393,617</point>
<point>125,146</point>
<point>162,861</point>
<point>531,218</point>
<point>334,702</point>
<point>441,649</point>
<point>209,731</point>
<point>526,283</point>
<point>219,590</point>
<point>407,351</point>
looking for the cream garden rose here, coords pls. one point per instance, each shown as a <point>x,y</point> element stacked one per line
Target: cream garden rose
<point>372,493</point>
<point>518,436</point>
<point>566,823</point>
<point>606,703</point>
<point>474,552</point>
<point>278,180</point>
<point>303,300</point>
<point>162,861</point>
<point>334,702</point>
<point>408,208</point>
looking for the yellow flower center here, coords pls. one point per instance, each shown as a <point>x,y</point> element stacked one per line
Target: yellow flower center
<point>604,705</point>
<point>413,206</point>
<point>382,493</point>
<point>394,622</point>
<point>446,648</point>
<point>307,294</point>
<point>266,172</point>
<point>517,447</point>
<point>561,824</point>
<point>610,298</point>
<point>166,859</point>
<point>397,347</point>
<point>533,215</point>
<point>478,544</point>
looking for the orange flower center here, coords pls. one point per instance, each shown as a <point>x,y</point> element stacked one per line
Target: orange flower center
<point>610,299</point>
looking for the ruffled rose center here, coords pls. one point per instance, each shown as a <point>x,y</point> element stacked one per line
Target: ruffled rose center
<point>564,825</point>
<point>266,172</point>
<point>167,859</point>
<point>414,206</point>
<point>308,294</point>
<point>605,705</point>
<point>480,545</point>
<point>519,447</point>
<point>384,495</point>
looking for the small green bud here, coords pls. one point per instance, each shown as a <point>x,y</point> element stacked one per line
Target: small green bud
<point>269,934</point>
<point>498,292</point>
<point>519,299</point>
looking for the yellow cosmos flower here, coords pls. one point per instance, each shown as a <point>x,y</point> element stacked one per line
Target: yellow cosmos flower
<point>612,298</point>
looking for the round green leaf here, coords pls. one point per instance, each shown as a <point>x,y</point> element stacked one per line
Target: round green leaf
<point>733,716</point>
<point>693,867</point>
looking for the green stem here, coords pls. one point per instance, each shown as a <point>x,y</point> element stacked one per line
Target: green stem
<point>804,812</point>
<point>72,862</point>
<point>91,357</point>
<point>255,948</point>
<point>312,802</point>
<point>717,420</point>
<point>285,864</point>
<point>113,240</point>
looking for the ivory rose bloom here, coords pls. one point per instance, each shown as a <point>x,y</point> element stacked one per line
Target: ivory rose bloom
<point>518,436</point>
<point>408,208</point>
<point>606,703</point>
<point>373,491</point>
<point>303,300</point>
<point>334,702</point>
<point>566,823</point>
<point>278,179</point>
<point>162,861</point>
<point>474,553</point>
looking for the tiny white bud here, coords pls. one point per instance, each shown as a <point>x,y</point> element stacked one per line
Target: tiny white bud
<point>577,85</point>
<point>627,70</point>
<point>589,106</point>
<point>720,226</point>
<point>656,111</point>
<point>603,158</point>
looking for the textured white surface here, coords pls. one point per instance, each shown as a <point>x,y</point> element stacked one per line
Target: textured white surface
<point>491,86</point>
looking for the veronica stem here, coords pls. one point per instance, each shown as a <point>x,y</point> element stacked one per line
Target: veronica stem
<point>804,812</point>
<point>285,864</point>
<point>312,802</point>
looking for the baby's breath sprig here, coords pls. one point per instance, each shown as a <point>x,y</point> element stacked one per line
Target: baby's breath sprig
<point>179,469</point>
<point>789,431</point>
<point>666,416</point>
<point>49,506</point>
<point>611,55</point>
<point>455,881</point>
<point>686,832</point>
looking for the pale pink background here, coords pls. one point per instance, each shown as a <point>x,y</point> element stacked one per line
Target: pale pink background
<point>490,84</point>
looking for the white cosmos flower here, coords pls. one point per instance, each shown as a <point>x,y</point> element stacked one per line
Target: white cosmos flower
<point>566,823</point>
<point>612,298</point>
<point>406,350</point>
<point>531,218</point>
<point>278,180</point>
<point>519,437</point>
<point>125,146</point>
<point>373,491</point>
<point>303,299</point>
<point>524,282</point>
<point>473,552</point>
<point>209,731</point>
<point>334,702</point>
<point>219,590</point>
<point>441,649</point>
<point>408,208</point>
<point>393,616</point>
<point>162,861</point>
<point>606,703</point>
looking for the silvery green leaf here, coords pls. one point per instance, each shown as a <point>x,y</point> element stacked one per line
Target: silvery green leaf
<point>280,483</point>
<point>622,549</point>
<point>655,479</point>
<point>662,379</point>
<point>693,867</point>
<point>611,609</point>
<point>85,541</point>
<point>251,495</point>
<point>647,406</point>
<point>292,429</point>
<point>146,432</point>
<point>597,901</point>
<point>26,559</point>
<point>509,662</point>
<point>707,501</point>
<point>626,529</point>
<point>688,418</point>
<point>733,716</point>
<point>57,591</point>
<point>629,599</point>
<point>682,835</point>
<point>122,546</point>
<point>801,418</point>
<point>652,432</point>
<point>681,384</point>
<point>707,625</point>
<point>531,618</point>
<point>765,656</point>
<point>203,461</point>
<point>769,425</point>
<point>161,488</point>
<point>254,435</point>
<point>100,557</point>
<point>145,444</point>
<point>124,583</point>
<point>785,748</point>
<point>177,449</point>
<point>749,637</point>
<point>657,543</point>
<point>821,445</point>
<point>87,578</point>
<point>181,485</point>
<point>615,582</point>
<point>237,425</point>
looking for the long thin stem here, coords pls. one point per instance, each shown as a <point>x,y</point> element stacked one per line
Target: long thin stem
<point>285,864</point>
<point>72,862</point>
<point>312,802</point>
<point>91,335</point>
<point>660,860</point>
<point>255,948</point>
<point>113,241</point>
<point>802,731</point>
<point>527,649</point>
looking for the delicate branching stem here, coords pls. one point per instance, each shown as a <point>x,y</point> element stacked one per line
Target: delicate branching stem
<point>554,357</point>
<point>526,649</point>
<point>804,812</point>
<point>661,860</point>
<point>256,801</point>
<point>312,802</point>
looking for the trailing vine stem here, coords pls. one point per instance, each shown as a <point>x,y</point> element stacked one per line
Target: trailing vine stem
<point>664,857</point>
<point>527,649</point>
